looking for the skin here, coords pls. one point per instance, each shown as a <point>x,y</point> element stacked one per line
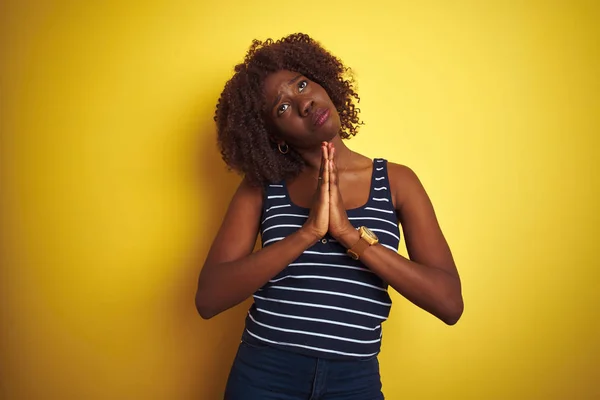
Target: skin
<point>232,272</point>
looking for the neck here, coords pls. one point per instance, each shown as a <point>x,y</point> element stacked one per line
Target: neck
<point>312,157</point>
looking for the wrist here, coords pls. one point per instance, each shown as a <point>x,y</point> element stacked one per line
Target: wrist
<point>308,236</point>
<point>349,238</point>
<point>366,239</point>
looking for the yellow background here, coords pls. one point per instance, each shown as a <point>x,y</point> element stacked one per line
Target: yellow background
<point>112,188</point>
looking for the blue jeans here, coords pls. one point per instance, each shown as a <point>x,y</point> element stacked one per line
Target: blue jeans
<point>261,372</point>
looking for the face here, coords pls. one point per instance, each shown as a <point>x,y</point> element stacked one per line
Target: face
<point>299,111</point>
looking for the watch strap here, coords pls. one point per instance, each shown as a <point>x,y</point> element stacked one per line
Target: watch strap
<point>358,248</point>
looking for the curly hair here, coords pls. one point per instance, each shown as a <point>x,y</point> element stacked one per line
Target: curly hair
<point>242,133</point>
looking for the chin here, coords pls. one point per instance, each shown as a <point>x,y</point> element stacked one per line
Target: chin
<point>330,130</point>
<point>332,133</point>
<point>325,135</point>
<point>332,136</point>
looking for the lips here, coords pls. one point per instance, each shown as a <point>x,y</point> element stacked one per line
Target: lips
<point>320,116</point>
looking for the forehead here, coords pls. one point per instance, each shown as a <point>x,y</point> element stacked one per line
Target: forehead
<point>277,81</point>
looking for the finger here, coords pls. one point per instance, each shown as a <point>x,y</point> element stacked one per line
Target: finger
<point>323,162</point>
<point>332,167</point>
<point>333,178</point>
<point>327,172</point>
<point>323,179</point>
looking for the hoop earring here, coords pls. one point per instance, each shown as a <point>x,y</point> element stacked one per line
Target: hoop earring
<point>285,150</point>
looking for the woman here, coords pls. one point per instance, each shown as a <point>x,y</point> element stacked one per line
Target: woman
<point>329,224</point>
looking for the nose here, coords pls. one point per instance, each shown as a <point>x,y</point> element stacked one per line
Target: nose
<point>305,107</point>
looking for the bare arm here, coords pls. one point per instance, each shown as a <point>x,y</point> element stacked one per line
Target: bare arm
<point>429,279</point>
<point>232,272</point>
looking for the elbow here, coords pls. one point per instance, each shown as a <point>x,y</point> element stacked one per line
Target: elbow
<point>205,310</point>
<point>205,313</point>
<point>453,312</point>
<point>205,304</point>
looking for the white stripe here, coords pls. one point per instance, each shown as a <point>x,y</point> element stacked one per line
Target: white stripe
<point>327,278</point>
<point>380,188</point>
<point>278,196</point>
<point>324,254</point>
<point>311,348</point>
<point>332,294</point>
<point>380,199</point>
<point>378,160</point>
<point>312,333</point>
<point>282,226</point>
<point>275,185</point>
<point>379,169</point>
<point>380,210</point>
<point>273,240</point>
<point>299,303</point>
<point>384,231</point>
<point>331,265</point>
<point>390,247</point>
<point>284,215</point>
<point>380,178</point>
<point>273,207</point>
<point>374,219</point>
<point>325,321</point>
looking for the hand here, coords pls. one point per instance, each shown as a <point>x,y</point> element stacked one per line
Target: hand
<point>318,217</point>
<point>339,224</point>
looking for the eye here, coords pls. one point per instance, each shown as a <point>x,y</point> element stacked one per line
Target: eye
<point>302,85</point>
<point>281,109</point>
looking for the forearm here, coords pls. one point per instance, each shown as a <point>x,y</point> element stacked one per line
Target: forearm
<point>227,284</point>
<point>433,289</point>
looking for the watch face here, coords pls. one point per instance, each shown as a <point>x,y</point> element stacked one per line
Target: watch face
<point>369,233</point>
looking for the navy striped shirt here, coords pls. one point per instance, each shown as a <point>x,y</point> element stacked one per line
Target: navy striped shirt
<point>324,304</point>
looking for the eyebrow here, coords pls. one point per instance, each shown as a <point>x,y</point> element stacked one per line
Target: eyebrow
<point>291,81</point>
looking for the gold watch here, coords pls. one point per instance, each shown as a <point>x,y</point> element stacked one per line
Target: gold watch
<point>367,238</point>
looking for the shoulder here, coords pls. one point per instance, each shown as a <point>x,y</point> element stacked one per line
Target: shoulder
<point>250,193</point>
<point>400,171</point>
<point>404,184</point>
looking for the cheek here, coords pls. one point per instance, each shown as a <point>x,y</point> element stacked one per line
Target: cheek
<point>292,127</point>
<point>337,117</point>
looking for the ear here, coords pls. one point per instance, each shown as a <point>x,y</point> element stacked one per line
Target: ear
<point>274,138</point>
<point>276,141</point>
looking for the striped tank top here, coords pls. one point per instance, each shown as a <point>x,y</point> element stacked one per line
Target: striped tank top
<point>324,304</point>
